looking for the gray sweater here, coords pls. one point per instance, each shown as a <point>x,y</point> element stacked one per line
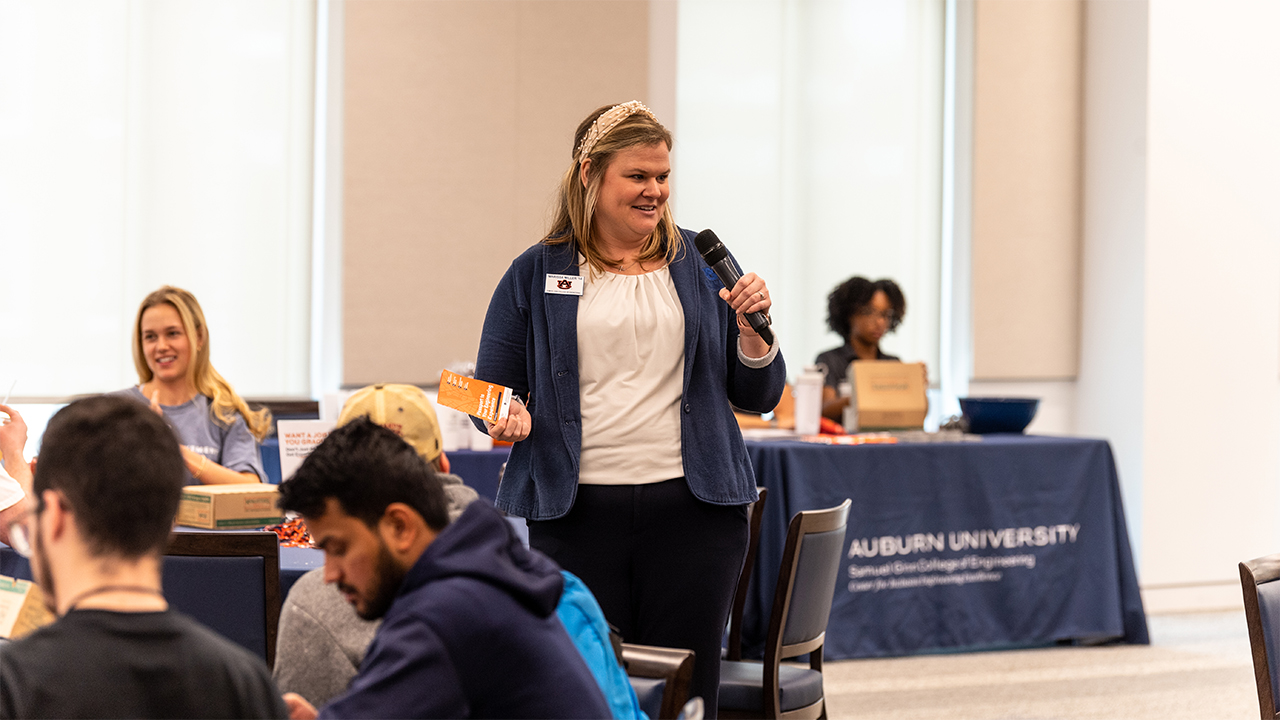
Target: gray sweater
<point>321,641</point>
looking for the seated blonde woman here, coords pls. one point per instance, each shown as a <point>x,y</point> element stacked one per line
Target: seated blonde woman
<point>218,431</point>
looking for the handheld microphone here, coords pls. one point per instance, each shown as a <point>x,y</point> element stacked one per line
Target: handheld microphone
<point>717,257</point>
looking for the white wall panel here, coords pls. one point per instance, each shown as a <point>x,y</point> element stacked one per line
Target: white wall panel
<point>809,137</point>
<point>148,143</point>
<point>1211,470</point>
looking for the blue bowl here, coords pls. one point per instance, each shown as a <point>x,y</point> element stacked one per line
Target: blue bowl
<point>998,415</point>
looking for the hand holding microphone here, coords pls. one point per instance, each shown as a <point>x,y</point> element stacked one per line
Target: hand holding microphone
<point>746,294</point>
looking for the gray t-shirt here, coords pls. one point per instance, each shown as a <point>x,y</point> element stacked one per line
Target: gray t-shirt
<point>231,446</point>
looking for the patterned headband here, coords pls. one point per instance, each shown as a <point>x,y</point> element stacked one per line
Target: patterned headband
<point>607,121</point>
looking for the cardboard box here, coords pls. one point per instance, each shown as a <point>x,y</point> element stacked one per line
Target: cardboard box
<point>22,608</point>
<point>225,507</point>
<point>890,395</point>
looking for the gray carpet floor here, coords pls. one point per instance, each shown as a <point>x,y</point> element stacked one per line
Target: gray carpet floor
<point>1198,667</point>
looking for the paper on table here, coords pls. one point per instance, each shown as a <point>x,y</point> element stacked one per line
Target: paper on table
<point>768,434</point>
<point>22,608</point>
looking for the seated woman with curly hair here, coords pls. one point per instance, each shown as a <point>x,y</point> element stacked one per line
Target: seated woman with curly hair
<point>861,311</point>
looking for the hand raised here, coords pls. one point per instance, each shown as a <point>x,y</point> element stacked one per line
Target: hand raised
<point>13,433</point>
<point>155,403</point>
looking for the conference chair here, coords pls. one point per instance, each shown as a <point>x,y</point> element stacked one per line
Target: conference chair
<point>1262,613</point>
<point>660,676</point>
<point>230,582</point>
<point>755,511</point>
<point>797,626</point>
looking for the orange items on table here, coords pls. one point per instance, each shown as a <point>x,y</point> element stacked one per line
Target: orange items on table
<point>860,439</point>
<point>292,533</point>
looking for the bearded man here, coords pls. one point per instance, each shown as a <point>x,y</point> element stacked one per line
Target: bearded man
<point>469,624</point>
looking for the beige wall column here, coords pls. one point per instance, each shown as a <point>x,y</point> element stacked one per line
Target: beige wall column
<point>1026,188</point>
<point>458,123</point>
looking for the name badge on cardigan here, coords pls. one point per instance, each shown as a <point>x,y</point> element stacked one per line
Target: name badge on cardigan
<point>564,284</point>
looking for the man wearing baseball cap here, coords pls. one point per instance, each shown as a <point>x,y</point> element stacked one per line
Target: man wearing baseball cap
<point>321,640</point>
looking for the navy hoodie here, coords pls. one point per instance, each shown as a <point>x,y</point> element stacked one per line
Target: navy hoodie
<point>473,633</point>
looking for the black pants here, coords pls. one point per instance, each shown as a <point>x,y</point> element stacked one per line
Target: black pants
<point>662,563</point>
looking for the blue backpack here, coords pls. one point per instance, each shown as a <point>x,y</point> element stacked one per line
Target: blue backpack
<point>584,620</point>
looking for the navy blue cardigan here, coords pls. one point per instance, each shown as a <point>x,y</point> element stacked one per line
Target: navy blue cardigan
<point>530,343</point>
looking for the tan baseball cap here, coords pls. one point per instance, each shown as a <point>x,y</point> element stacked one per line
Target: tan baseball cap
<point>403,409</point>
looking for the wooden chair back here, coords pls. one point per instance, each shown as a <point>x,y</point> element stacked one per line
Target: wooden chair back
<point>802,600</point>
<point>755,512</point>
<point>671,665</point>
<point>204,597</point>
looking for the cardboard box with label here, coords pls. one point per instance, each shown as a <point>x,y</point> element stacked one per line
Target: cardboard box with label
<point>228,507</point>
<point>889,395</point>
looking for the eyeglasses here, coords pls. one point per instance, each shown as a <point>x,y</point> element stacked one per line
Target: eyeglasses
<point>20,535</point>
<point>888,315</point>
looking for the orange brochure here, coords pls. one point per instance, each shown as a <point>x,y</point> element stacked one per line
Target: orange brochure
<point>484,400</point>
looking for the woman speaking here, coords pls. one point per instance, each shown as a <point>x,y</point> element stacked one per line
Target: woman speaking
<point>628,463</point>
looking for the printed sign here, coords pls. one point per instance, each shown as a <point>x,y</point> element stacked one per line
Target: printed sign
<point>927,559</point>
<point>297,439</point>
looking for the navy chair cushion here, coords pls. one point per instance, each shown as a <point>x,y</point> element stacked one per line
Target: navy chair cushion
<point>649,692</point>
<point>742,686</point>
<point>1269,609</point>
<point>223,593</point>
<point>816,571</point>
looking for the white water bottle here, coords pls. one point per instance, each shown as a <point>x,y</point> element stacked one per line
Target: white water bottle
<point>808,392</point>
<point>851,409</point>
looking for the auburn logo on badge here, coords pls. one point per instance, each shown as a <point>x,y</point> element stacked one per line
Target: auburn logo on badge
<point>563,284</point>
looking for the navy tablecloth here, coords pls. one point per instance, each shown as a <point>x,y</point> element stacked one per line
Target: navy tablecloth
<point>1012,541</point>
<point>477,468</point>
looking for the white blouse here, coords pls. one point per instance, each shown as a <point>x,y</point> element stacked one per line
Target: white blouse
<point>630,378</point>
<point>10,490</point>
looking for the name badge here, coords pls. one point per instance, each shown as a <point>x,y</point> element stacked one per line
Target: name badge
<point>564,284</point>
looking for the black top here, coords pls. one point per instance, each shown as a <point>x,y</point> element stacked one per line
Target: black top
<point>103,664</point>
<point>837,360</point>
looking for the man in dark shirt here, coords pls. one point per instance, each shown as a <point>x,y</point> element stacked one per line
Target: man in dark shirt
<point>469,614</point>
<point>105,494</point>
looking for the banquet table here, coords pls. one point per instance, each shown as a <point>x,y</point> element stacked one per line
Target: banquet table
<point>1012,541</point>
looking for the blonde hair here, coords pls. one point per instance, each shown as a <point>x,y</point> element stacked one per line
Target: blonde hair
<point>576,205</point>
<point>223,400</point>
